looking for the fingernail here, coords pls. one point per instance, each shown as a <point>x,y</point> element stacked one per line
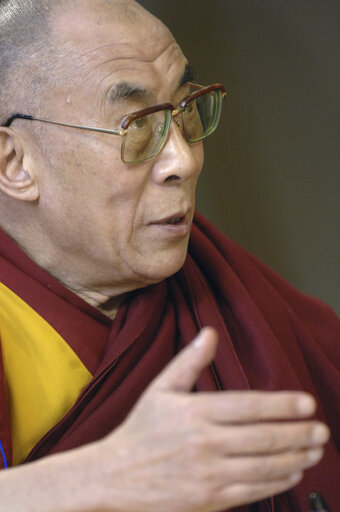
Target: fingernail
<point>296,477</point>
<point>306,405</point>
<point>315,455</point>
<point>320,434</point>
<point>198,340</point>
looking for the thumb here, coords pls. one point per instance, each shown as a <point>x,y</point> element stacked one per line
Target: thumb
<point>182,373</point>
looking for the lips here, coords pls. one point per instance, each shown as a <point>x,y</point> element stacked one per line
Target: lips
<point>176,225</point>
<point>173,219</point>
<point>176,220</point>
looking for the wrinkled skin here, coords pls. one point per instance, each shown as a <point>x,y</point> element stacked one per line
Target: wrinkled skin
<point>93,222</point>
<point>180,451</point>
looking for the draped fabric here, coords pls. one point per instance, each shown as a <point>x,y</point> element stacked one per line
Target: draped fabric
<point>43,375</point>
<point>271,338</point>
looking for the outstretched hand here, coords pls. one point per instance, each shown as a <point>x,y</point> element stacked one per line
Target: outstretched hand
<point>211,451</point>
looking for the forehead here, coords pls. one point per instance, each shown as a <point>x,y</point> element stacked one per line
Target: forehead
<point>110,47</point>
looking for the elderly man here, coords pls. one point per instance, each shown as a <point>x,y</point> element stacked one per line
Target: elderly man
<point>100,152</point>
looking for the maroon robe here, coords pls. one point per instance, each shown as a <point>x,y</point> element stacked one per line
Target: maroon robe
<point>271,338</point>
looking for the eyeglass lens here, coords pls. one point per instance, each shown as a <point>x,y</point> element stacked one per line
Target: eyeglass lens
<point>201,116</point>
<point>146,135</point>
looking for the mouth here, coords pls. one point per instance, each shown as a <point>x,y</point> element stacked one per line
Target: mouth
<point>178,224</point>
<point>177,218</point>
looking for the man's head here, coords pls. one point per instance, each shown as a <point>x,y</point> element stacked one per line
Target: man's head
<point>66,196</point>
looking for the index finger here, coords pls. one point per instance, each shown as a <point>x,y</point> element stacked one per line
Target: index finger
<point>254,406</point>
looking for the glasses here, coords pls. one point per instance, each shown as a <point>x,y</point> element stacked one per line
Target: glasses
<point>145,132</point>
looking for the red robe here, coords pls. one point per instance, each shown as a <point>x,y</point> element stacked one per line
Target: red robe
<point>272,337</point>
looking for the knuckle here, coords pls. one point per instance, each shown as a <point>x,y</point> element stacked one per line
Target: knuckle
<point>252,407</point>
<point>269,440</point>
<point>240,494</point>
<point>190,410</point>
<point>198,444</point>
<point>208,496</point>
<point>263,467</point>
<point>205,491</point>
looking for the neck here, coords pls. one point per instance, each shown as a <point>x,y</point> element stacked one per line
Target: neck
<point>109,306</point>
<point>29,238</point>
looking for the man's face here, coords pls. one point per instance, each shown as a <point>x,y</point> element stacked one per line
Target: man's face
<point>112,226</point>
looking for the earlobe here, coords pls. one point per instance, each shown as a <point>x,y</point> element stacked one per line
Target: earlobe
<point>16,179</point>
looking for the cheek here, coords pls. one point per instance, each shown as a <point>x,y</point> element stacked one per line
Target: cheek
<point>198,152</point>
<point>79,166</point>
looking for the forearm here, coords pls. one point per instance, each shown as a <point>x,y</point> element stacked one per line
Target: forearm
<point>67,482</point>
<point>178,450</point>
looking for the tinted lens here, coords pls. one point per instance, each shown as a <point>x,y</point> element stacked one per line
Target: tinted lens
<point>201,115</point>
<point>145,136</point>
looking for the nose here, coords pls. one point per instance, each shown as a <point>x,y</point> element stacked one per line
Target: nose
<point>178,161</point>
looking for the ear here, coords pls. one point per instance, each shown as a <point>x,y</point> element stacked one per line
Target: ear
<point>17,177</point>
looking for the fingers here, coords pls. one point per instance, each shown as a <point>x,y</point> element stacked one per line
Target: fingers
<point>227,407</point>
<point>268,438</point>
<point>244,494</point>
<point>182,373</point>
<point>240,444</point>
<point>253,406</point>
<point>242,480</point>
<point>266,468</point>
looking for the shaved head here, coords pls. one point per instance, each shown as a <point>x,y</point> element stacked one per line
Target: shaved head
<point>31,58</point>
<point>67,192</point>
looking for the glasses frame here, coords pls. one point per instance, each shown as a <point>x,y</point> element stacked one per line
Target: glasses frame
<point>130,118</point>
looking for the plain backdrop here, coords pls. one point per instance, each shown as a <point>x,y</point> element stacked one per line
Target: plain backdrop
<point>271,177</point>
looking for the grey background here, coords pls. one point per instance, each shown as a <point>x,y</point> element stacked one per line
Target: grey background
<point>271,176</point>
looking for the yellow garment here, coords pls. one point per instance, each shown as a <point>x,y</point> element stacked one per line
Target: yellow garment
<point>43,375</point>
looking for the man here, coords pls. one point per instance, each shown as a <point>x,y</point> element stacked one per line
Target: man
<point>98,293</point>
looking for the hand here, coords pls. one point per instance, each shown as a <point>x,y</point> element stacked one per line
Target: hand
<point>195,452</point>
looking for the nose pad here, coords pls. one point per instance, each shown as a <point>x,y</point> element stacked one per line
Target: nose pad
<point>177,121</point>
<point>178,160</point>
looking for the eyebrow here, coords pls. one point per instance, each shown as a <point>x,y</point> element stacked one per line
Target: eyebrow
<point>126,90</point>
<point>189,75</point>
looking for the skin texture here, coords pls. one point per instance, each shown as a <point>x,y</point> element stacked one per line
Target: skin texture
<point>93,216</point>
<point>90,220</point>
<point>179,451</point>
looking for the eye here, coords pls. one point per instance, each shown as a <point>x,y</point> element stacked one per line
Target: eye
<point>191,111</point>
<point>140,122</point>
<point>190,108</point>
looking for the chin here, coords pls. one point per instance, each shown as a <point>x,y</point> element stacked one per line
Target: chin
<point>162,267</point>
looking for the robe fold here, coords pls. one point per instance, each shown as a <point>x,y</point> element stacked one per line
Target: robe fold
<point>271,337</point>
